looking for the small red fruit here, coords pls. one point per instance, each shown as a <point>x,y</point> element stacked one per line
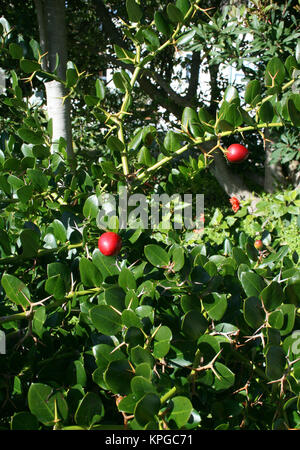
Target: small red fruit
<point>109,243</point>
<point>236,153</point>
<point>258,244</point>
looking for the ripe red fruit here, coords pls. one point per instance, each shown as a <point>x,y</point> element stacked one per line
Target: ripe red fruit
<point>258,244</point>
<point>109,243</point>
<point>236,153</point>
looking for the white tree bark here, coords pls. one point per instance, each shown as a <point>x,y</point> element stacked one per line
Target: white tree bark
<point>52,30</point>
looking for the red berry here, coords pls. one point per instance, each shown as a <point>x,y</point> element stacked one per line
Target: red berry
<point>236,153</point>
<point>109,243</point>
<point>258,244</point>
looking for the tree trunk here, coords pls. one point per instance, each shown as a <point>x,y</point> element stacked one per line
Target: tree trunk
<point>52,30</point>
<point>274,177</point>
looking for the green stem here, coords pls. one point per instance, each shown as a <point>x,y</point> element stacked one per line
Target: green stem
<point>13,317</point>
<point>42,252</point>
<point>168,395</point>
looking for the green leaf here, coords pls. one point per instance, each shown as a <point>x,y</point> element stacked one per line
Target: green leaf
<point>178,258</point>
<point>38,179</point>
<point>144,157</point>
<point>38,320</point>
<point>253,312</point>
<point>240,256</point>
<point>156,255</point>
<point>225,377</point>
<point>71,77</point>
<point>30,243</point>
<point>181,411</point>
<point>106,319</point>
<point>194,324</point>
<point>91,207</point>
<point>126,280</point>
<point>174,14</point>
<point>151,39</point>
<point>190,122</point>
<point>59,230</point>
<point>118,377</point>
<point>141,355</point>
<point>162,341</point>
<point>31,137</point>
<point>252,284</point>
<point>215,305</point>
<point>275,362</point>
<point>294,113</point>
<point>252,92</point>
<point>15,290</point>
<point>130,319</point>
<point>15,50</point>
<point>147,408</point>
<point>105,264</point>
<point>124,55</point>
<point>289,312</point>
<point>100,89</point>
<point>91,100</point>
<point>172,141</point>
<point>275,72</point>
<point>134,11</point>
<point>4,242</point>
<point>114,144</point>
<point>272,296</point>
<point>89,274</point>
<point>41,402</point>
<point>55,286</point>
<point>90,410</point>
<point>24,421</point>
<point>233,116</point>
<point>141,386</point>
<point>266,112</point>
<point>183,6</point>
<point>29,66</point>
<point>161,23</point>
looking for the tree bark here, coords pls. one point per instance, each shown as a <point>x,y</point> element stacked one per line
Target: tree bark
<point>273,171</point>
<point>53,40</point>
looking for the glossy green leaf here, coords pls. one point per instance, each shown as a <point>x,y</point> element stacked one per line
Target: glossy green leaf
<point>15,290</point>
<point>266,112</point>
<point>106,319</point>
<point>275,72</point>
<point>29,66</point>
<point>91,207</point>
<point>253,312</point>
<point>275,362</point>
<point>41,401</point>
<point>147,408</point>
<point>174,13</point>
<point>24,421</point>
<point>252,284</point>
<point>134,11</point>
<point>181,409</point>
<point>252,92</point>
<point>156,255</point>
<point>272,296</point>
<point>90,410</point>
<point>90,275</point>
<point>194,324</point>
<point>118,377</point>
<point>215,305</point>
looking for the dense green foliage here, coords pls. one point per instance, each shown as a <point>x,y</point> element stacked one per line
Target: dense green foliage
<point>185,329</point>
